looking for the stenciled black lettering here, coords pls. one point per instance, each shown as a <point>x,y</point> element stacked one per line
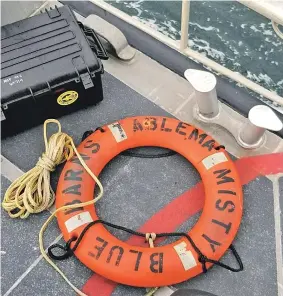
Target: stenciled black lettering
<point>225,205</point>
<point>73,202</point>
<point>209,144</point>
<point>90,145</point>
<point>194,134</point>
<point>119,257</point>
<point>153,124</point>
<point>181,125</point>
<point>91,254</point>
<point>150,123</point>
<point>226,226</point>
<point>137,126</point>
<point>77,161</point>
<point>227,192</point>
<point>138,258</point>
<point>163,128</point>
<point>100,248</point>
<point>222,174</point>
<point>72,175</point>
<point>200,138</point>
<point>212,242</point>
<point>74,189</point>
<point>156,262</point>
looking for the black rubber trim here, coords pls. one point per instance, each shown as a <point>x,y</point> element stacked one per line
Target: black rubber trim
<point>237,98</point>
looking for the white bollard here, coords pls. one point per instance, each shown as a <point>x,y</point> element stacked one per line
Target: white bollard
<point>204,84</point>
<point>260,119</point>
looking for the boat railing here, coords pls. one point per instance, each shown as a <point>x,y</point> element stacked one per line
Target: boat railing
<point>182,45</point>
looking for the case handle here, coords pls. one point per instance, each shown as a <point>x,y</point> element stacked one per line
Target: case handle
<point>94,42</point>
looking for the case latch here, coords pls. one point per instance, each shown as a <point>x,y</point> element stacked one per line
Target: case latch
<point>86,80</point>
<point>80,67</point>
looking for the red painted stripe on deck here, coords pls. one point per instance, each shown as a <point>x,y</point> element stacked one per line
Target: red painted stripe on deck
<point>178,210</point>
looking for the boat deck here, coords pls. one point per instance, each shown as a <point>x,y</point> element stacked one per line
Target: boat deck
<point>138,191</point>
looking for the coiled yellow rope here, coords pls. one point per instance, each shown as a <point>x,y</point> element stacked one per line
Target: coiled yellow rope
<point>32,192</point>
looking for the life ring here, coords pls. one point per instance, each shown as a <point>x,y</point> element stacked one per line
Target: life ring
<point>165,265</point>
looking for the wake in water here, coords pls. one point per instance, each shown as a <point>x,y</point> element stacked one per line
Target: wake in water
<point>227,32</point>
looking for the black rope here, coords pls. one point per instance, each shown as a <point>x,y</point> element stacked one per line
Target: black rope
<point>219,147</point>
<point>201,257</point>
<point>90,132</point>
<point>86,134</point>
<point>101,129</point>
<point>67,248</point>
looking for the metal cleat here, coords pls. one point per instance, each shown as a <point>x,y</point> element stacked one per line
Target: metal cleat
<point>251,133</point>
<point>260,118</point>
<point>113,35</point>
<point>204,84</point>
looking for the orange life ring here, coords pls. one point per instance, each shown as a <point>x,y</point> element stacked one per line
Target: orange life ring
<point>165,265</point>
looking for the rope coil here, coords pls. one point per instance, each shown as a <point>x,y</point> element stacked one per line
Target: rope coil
<point>32,193</point>
<point>46,163</point>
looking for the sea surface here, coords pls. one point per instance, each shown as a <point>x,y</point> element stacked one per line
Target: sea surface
<point>225,31</point>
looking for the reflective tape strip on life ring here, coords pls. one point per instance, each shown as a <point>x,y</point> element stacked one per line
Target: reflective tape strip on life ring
<point>165,265</point>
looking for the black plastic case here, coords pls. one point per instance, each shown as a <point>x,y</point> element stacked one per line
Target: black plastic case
<point>49,67</point>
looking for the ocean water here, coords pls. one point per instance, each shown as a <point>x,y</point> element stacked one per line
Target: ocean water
<point>225,31</point>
